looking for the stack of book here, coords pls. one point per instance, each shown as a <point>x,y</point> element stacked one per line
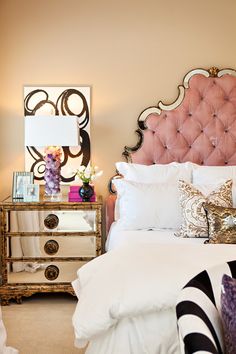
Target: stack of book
<point>73,195</point>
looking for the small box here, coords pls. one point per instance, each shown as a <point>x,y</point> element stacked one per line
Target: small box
<point>73,195</point>
<point>74,189</point>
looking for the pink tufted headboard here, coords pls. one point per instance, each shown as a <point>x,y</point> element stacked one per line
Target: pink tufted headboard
<point>200,126</point>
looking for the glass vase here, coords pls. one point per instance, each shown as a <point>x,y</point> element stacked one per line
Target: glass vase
<point>52,175</point>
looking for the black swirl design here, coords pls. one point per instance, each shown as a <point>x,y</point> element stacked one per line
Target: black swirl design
<point>60,107</point>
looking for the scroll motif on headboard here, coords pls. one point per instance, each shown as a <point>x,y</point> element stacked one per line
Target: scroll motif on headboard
<point>199,126</point>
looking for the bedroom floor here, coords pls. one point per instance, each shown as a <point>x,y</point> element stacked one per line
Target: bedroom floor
<point>42,324</point>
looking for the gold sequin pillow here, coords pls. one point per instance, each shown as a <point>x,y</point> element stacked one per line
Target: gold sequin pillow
<point>221,224</point>
<point>194,222</point>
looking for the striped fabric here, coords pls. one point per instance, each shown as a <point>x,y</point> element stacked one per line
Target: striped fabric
<point>198,311</point>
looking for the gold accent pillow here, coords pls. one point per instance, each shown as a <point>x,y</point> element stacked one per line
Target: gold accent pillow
<point>221,223</point>
<point>194,222</point>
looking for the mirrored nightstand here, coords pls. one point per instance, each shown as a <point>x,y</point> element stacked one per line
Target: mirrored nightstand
<point>43,244</point>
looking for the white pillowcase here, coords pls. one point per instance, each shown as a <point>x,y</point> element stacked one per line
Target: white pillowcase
<point>148,205</point>
<point>168,173</point>
<point>156,173</point>
<point>215,175</point>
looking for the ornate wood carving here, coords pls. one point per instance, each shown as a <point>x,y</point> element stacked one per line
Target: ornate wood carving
<point>51,221</point>
<point>51,247</point>
<point>51,272</point>
<point>213,71</point>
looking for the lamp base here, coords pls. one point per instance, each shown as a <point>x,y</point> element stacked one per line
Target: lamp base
<point>53,197</point>
<point>52,175</point>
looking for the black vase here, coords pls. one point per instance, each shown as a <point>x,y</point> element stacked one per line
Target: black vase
<point>86,192</point>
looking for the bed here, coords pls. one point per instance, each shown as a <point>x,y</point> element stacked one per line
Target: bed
<point>159,232</point>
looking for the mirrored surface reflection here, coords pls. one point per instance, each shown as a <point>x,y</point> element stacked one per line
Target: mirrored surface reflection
<point>63,222</point>
<point>51,220</point>
<point>66,273</point>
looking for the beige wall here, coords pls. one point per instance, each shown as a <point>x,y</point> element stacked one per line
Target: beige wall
<point>132,53</point>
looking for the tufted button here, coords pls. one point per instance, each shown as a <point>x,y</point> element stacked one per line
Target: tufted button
<point>226,162</point>
<point>190,114</point>
<point>165,115</point>
<point>178,131</point>
<point>226,130</point>
<point>213,145</point>
<point>189,146</point>
<point>165,146</point>
<point>201,163</point>
<point>226,98</point>
<point>214,115</point>
<point>201,98</point>
<point>201,130</point>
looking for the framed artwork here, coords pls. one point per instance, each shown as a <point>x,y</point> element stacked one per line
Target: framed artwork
<point>59,100</point>
<point>20,179</point>
<point>31,192</point>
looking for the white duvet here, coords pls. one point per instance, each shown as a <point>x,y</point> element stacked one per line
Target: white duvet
<point>136,280</point>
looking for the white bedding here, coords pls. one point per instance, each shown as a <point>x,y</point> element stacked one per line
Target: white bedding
<point>141,278</point>
<point>118,237</point>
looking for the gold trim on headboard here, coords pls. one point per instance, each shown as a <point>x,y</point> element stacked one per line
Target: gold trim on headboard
<point>211,72</point>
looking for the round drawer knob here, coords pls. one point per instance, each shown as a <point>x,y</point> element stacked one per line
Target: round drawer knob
<point>51,247</point>
<point>51,221</point>
<point>51,272</point>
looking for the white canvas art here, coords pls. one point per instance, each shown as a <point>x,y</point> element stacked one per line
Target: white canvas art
<point>53,100</point>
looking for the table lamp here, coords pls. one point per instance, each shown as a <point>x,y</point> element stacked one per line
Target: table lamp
<point>52,132</point>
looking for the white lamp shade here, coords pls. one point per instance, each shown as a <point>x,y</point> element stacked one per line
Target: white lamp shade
<point>51,131</point>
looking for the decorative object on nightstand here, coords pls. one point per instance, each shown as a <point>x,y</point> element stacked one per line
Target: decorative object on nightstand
<point>44,244</point>
<point>20,180</point>
<point>86,175</point>
<point>74,196</point>
<point>52,132</point>
<point>31,192</point>
<point>86,192</point>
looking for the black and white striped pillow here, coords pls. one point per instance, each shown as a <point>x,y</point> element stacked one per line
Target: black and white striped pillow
<point>198,311</point>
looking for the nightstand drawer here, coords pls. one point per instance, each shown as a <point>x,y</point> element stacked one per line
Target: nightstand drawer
<point>52,221</point>
<point>48,246</point>
<point>45,272</point>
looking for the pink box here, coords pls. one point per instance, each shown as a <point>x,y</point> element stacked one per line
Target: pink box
<point>74,189</point>
<point>73,195</point>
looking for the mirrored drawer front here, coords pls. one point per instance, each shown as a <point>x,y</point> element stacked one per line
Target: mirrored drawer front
<point>60,246</point>
<point>49,220</point>
<point>53,272</point>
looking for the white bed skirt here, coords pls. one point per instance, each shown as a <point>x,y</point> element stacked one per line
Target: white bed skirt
<point>145,334</point>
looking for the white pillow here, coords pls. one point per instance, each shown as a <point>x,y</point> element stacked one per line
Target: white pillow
<point>215,175</point>
<point>168,173</point>
<point>156,173</point>
<point>148,205</point>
